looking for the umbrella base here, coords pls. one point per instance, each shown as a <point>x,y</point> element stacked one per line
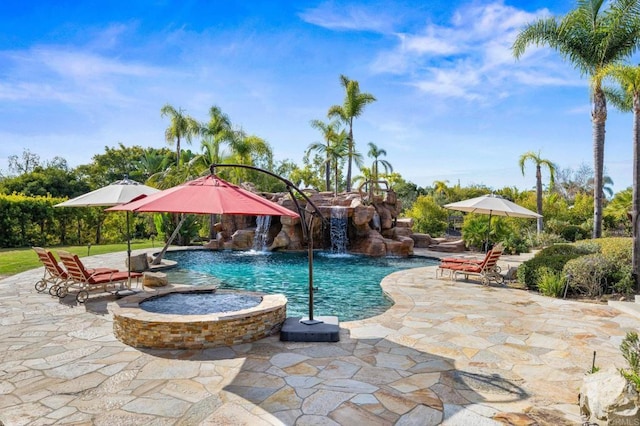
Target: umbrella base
<point>322,329</point>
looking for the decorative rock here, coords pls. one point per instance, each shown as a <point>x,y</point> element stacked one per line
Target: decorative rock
<point>242,239</point>
<point>422,240</point>
<point>280,241</point>
<point>363,214</point>
<point>212,245</point>
<point>374,245</point>
<point>606,398</point>
<point>154,279</point>
<point>405,222</point>
<point>139,263</point>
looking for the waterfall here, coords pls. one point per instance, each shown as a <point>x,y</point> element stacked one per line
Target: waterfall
<point>263,223</point>
<point>339,240</point>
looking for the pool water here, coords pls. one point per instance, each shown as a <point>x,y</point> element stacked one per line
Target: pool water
<point>347,286</point>
<point>196,303</point>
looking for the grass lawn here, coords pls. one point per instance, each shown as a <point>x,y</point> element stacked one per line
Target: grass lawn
<point>13,261</point>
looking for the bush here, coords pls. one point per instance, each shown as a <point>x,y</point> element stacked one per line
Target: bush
<point>545,239</point>
<point>618,252</point>
<point>589,274</point>
<point>553,258</point>
<point>428,217</point>
<point>630,348</point>
<point>573,233</point>
<point>550,283</point>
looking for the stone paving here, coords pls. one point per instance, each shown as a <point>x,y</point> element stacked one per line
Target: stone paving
<point>451,353</point>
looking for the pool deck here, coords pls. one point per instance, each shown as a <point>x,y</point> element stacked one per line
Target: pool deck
<point>451,353</point>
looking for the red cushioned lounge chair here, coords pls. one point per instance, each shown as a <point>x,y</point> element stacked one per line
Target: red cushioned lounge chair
<point>55,275</point>
<point>85,281</point>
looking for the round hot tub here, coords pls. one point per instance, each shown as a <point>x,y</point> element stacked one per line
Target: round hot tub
<point>196,318</point>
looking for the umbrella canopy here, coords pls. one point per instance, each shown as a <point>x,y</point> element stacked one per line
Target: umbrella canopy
<point>207,195</point>
<point>119,192</point>
<point>492,204</point>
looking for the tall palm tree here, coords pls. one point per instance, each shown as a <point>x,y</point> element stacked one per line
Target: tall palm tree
<point>182,127</point>
<point>352,107</point>
<point>628,99</point>
<point>216,131</point>
<point>376,153</point>
<point>590,38</point>
<point>338,150</point>
<point>329,131</point>
<point>539,162</point>
<point>248,150</point>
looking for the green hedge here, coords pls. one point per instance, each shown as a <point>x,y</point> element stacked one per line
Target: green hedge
<point>553,258</point>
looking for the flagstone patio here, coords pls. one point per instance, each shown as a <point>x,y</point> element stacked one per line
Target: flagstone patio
<point>451,353</point>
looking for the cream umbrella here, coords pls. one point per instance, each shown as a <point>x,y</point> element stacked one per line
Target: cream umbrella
<point>493,205</point>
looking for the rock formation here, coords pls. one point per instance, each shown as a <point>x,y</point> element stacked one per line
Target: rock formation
<point>373,227</point>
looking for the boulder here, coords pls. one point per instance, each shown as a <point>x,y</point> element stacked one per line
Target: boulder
<point>386,220</point>
<point>402,247</point>
<point>607,399</point>
<point>139,263</point>
<point>363,214</point>
<point>422,240</point>
<point>280,241</point>
<point>405,222</point>
<point>242,239</point>
<point>373,245</point>
<point>212,245</point>
<point>449,246</point>
<point>154,279</point>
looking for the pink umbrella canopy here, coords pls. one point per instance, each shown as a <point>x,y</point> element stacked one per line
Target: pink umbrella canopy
<point>207,195</point>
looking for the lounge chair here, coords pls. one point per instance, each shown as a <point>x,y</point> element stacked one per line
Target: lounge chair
<point>55,275</point>
<point>487,269</point>
<point>86,281</point>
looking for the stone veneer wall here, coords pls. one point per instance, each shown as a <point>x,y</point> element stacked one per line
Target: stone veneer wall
<point>138,328</point>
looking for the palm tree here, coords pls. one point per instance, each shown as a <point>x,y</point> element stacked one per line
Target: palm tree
<point>628,99</point>
<point>376,153</point>
<point>337,151</point>
<point>440,187</point>
<point>353,105</point>
<point>539,162</point>
<point>248,150</point>
<point>215,132</point>
<point>329,131</point>
<point>182,127</point>
<point>590,38</point>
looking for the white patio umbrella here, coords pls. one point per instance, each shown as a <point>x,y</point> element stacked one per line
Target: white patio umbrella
<point>119,192</point>
<point>493,205</point>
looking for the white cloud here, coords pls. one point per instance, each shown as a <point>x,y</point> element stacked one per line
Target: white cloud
<point>471,58</point>
<point>349,18</point>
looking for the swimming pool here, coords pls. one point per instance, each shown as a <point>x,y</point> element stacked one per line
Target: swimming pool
<point>347,286</point>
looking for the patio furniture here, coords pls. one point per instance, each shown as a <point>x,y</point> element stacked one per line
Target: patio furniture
<point>487,269</point>
<point>86,281</point>
<point>55,275</point>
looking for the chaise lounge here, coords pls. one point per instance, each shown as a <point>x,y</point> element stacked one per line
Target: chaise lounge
<point>86,281</point>
<point>487,269</point>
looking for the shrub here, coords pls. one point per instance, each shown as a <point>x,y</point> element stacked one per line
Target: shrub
<point>630,348</point>
<point>545,239</point>
<point>589,274</point>
<point>618,252</point>
<point>550,282</point>
<point>428,217</point>
<point>573,233</point>
<point>554,258</point>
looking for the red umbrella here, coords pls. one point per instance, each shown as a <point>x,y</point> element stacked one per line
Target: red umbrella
<point>207,195</point>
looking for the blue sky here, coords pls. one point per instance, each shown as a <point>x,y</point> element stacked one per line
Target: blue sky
<point>452,102</point>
